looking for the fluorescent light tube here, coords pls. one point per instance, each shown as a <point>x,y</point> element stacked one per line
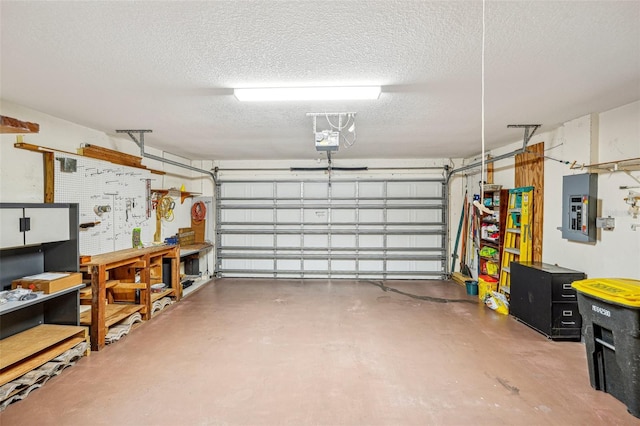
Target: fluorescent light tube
<point>275,94</point>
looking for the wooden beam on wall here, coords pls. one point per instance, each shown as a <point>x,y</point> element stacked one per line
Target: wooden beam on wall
<point>529,171</point>
<point>49,176</point>
<point>106,154</point>
<point>44,149</point>
<point>489,171</point>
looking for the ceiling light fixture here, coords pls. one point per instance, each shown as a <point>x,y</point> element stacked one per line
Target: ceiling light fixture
<point>276,94</point>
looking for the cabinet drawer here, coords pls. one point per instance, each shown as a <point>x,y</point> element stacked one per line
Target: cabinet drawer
<point>10,233</point>
<point>561,291</point>
<point>47,225</point>
<point>566,315</point>
<point>33,225</point>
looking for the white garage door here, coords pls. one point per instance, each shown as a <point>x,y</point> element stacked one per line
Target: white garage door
<point>375,229</point>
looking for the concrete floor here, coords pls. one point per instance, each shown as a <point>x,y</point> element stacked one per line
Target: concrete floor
<point>292,352</point>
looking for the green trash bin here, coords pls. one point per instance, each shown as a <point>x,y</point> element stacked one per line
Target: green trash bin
<point>610,309</point>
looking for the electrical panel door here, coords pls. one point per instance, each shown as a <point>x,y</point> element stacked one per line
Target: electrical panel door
<point>579,207</point>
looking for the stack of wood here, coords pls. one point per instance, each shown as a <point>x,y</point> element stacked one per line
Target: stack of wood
<point>116,157</point>
<point>186,236</point>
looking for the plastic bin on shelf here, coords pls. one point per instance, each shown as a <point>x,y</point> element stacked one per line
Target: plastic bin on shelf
<point>610,309</point>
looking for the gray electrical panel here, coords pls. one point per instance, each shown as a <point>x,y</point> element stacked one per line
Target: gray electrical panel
<point>579,207</point>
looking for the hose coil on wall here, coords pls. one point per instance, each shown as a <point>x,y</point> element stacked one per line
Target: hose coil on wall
<point>198,212</point>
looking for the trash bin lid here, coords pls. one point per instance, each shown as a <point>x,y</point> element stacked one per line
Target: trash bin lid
<point>621,291</point>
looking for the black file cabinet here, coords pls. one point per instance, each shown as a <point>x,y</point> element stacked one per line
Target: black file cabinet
<point>542,298</point>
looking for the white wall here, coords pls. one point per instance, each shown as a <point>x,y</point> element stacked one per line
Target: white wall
<point>22,174</point>
<point>606,136</point>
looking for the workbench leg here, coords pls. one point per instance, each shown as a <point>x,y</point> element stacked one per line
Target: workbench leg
<point>98,307</point>
<point>145,295</point>
<point>175,277</point>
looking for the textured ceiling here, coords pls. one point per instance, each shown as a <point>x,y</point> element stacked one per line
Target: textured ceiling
<point>170,67</point>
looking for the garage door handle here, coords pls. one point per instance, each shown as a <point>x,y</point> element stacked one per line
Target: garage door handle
<point>568,322</point>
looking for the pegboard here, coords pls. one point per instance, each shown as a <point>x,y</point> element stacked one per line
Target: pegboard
<point>95,184</point>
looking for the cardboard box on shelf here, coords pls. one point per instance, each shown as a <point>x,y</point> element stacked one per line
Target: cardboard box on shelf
<point>49,282</point>
<point>186,236</point>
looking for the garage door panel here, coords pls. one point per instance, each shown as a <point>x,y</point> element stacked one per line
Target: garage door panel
<point>413,240</point>
<point>288,241</point>
<point>412,189</point>
<point>370,215</point>
<point>350,228</point>
<point>343,265</point>
<point>371,265</point>
<point>343,190</point>
<point>371,241</point>
<point>343,215</point>
<point>261,240</point>
<point>288,265</point>
<point>288,189</point>
<point>414,216</point>
<point>370,189</point>
<point>400,189</point>
<point>316,241</point>
<point>409,266</point>
<point>248,240</point>
<point>316,216</point>
<point>316,190</point>
<point>247,215</point>
<point>316,265</point>
<point>343,241</point>
<point>288,215</point>
<point>243,190</point>
<point>233,240</point>
<point>248,265</point>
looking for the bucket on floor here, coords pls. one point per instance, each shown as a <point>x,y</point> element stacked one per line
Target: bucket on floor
<point>472,288</point>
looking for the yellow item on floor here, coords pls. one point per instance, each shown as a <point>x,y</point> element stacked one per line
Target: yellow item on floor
<point>486,286</point>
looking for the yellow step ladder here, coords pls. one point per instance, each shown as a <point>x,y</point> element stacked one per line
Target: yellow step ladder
<point>517,245</point>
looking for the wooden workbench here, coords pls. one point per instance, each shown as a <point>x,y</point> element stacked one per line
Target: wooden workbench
<point>135,270</point>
